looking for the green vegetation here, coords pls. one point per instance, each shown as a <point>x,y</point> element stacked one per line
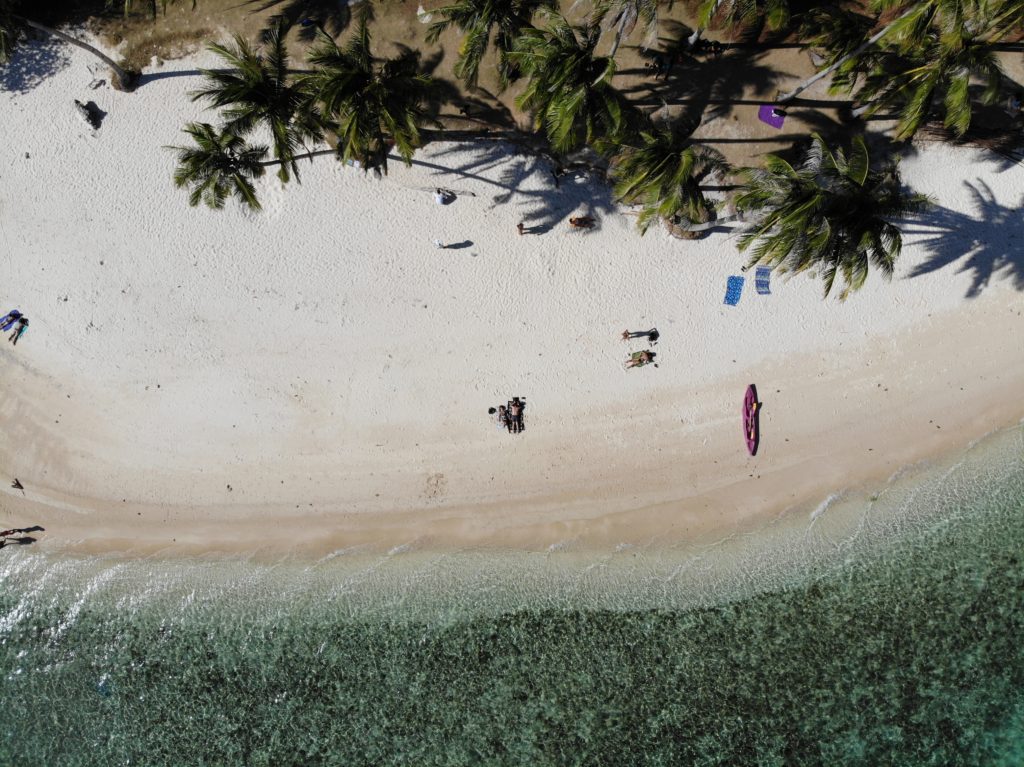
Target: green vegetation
<point>570,91</point>
<point>478,20</point>
<point>255,90</point>
<point>368,105</point>
<point>220,165</point>
<point>832,214</point>
<point>662,169</point>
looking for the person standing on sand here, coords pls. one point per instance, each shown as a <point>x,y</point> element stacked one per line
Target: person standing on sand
<point>520,228</point>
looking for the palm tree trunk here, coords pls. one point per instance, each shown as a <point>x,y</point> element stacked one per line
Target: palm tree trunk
<point>123,80</point>
<point>729,220</point>
<point>307,156</point>
<point>852,55</point>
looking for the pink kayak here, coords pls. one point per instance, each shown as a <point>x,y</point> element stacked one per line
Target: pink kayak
<point>751,429</point>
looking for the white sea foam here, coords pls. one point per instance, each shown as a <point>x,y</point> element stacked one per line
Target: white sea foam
<point>826,504</point>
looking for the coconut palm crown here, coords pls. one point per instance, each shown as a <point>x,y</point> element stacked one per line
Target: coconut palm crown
<point>833,214</point>
<point>478,20</point>
<point>570,92</point>
<point>662,169</point>
<point>369,104</point>
<point>254,91</point>
<point>932,68</point>
<point>220,165</point>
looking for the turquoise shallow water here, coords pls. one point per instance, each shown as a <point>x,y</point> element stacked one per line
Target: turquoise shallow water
<point>868,631</point>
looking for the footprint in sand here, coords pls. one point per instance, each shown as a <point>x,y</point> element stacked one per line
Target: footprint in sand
<point>437,487</point>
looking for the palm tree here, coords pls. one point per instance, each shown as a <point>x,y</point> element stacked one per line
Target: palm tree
<point>910,31</point>
<point>12,32</point>
<point>569,91</point>
<point>936,69</point>
<point>831,214</point>
<point>663,169</point>
<point>370,105</point>
<point>478,20</point>
<point>255,91</point>
<point>220,165</point>
<point>622,16</point>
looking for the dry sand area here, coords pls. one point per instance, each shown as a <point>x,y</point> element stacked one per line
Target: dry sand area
<point>316,377</point>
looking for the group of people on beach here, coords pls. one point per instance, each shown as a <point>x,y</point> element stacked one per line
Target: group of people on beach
<point>510,416</point>
<point>641,358</point>
<point>16,320</point>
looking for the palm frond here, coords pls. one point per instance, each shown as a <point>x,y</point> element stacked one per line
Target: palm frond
<point>218,164</point>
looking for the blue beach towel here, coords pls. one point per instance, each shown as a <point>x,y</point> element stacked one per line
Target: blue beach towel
<point>733,288</point>
<point>761,280</point>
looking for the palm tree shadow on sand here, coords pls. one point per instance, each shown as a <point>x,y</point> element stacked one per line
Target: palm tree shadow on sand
<point>988,245</point>
<point>540,208</point>
<point>33,62</point>
<point>330,15</point>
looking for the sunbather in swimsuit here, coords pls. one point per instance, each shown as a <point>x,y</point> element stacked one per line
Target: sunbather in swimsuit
<point>637,359</point>
<point>19,331</point>
<point>515,412</point>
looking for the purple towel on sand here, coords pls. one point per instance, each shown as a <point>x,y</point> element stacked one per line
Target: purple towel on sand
<point>9,320</point>
<point>765,115</point>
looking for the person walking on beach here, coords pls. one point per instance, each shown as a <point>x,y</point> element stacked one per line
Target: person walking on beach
<point>19,331</point>
<point>520,228</point>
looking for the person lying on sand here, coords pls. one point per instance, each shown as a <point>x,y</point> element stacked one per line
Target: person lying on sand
<point>582,222</point>
<point>639,358</point>
<point>19,330</point>
<point>515,414</point>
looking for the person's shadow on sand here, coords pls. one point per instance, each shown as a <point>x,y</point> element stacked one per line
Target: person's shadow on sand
<point>24,540</point>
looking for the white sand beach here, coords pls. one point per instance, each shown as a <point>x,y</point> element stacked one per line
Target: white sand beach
<point>317,376</point>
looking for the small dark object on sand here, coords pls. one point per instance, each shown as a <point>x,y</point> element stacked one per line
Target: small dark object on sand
<point>16,484</point>
<point>91,113</point>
